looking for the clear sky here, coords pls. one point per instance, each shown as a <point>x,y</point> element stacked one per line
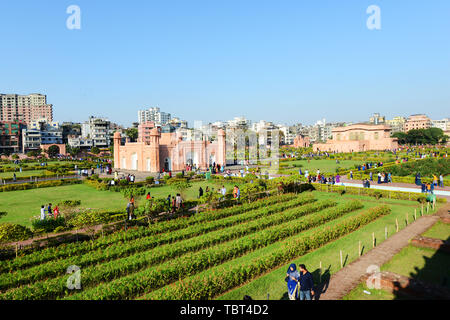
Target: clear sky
<point>283,61</point>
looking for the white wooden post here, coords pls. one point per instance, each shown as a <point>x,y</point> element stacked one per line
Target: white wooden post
<point>373,239</point>
<point>359,248</point>
<point>385,233</point>
<point>341,259</point>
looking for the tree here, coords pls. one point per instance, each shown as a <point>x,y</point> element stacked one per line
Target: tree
<point>132,133</point>
<point>53,151</point>
<point>73,151</point>
<point>95,150</point>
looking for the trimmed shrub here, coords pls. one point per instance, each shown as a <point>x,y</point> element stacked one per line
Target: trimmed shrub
<point>14,232</point>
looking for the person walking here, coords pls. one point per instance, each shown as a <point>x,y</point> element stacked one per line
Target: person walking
<point>223,191</point>
<point>200,192</point>
<point>178,201</point>
<point>49,210</point>
<point>148,197</point>
<point>292,279</point>
<point>56,212</point>
<point>43,212</point>
<point>441,180</point>
<point>306,283</point>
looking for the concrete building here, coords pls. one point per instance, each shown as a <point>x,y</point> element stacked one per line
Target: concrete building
<point>377,119</point>
<point>359,137</point>
<point>417,121</point>
<point>168,152</point>
<point>443,124</point>
<point>11,137</point>
<point>154,115</point>
<point>25,108</point>
<point>98,130</point>
<point>397,124</point>
<point>42,137</point>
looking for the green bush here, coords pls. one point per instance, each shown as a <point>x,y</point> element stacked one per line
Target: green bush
<point>14,232</point>
<point>69,203</point>
<point>48,225</point>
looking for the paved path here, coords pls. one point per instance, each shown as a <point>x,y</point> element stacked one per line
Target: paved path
<point>342,282</point>
<point>397,187</point>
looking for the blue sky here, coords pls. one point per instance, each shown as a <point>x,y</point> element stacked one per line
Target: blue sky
<point>285,61</point>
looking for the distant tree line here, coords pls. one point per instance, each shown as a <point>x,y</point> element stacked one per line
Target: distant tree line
<point>431,136</point>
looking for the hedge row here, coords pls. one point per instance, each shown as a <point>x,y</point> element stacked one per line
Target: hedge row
<point>396,179</point>
<point>222,279</point>
<point>378,193</point>
<point>152,278</point>
<point>36,185</point>
<point>146,256</point>
<point>233,214</point>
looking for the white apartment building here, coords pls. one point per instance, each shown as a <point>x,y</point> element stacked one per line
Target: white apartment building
<point>98,130</point>
<point>154,115</point>
<point>443,124</point>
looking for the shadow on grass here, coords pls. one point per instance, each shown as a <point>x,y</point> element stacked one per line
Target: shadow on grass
<point>432,282</point>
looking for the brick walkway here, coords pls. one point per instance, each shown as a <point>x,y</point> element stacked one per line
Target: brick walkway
<point>342,282</point>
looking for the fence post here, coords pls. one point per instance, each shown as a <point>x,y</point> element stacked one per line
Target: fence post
<point>407,221</point>
<point>341,258</point>
<point>385,233</point>
<point>320,272</point>
<point>359,248</point>
<point>422,210</point>
<point>415,214</point>
<point>373,239</point>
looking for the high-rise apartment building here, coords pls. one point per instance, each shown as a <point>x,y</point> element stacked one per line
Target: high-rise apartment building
<point>98,130</point>
<point>25,108</point>
<point>154,115</point>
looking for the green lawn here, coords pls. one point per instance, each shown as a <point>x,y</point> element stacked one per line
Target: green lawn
<point>439,231</point>
<point>323,165</point>
<point>22,174</point>
<point>272,283</point>
<point>422,264</point>
<point>21,206</point>
<point>359,294</point>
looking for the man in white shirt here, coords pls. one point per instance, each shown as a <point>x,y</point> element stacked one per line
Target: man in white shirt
<point>43,213</point>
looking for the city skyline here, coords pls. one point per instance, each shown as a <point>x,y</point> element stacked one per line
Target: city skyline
<point>290,63</point>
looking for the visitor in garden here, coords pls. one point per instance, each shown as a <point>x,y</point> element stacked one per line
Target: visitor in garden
<point>148,196</point>
<point>428,188</point>
<point>292,279</point>
<point>178,201</point>
<point>441,180</point>
<point>200,192</point>
<point>14,177</point>
<point>432,188</point>
<point>379,177</point>
<point>56,212</point>
<point>306,283</point>
<point>338,178</point>
<point>49,210</point>
<point>223,191</point>
<point>351,175</point>
<point>43,212</point>
<point>435,180</point>
<point>174,204</point>
<point>371,176</point>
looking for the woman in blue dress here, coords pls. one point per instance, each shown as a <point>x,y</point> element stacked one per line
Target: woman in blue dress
<point>292,278</point>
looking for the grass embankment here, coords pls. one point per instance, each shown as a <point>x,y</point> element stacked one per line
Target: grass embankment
<point>273,283</point>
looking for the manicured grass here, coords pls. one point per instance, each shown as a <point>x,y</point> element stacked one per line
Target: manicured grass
<point>422,264</point>
<point>323,165</point>
<point>22,206</point>
<point>439,231</point>
<point>359,294</point>
<point>273,283</point>
<point>22,174</point>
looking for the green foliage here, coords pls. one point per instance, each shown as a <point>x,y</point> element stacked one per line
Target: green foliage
<point>431,136</point>
<point>48,225</point>
<point>14,232</point>
<point>69,203</point>
<point>132,133</point>
<point>53,151</point>
<point>89,218</point>
<point>95,150</point>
